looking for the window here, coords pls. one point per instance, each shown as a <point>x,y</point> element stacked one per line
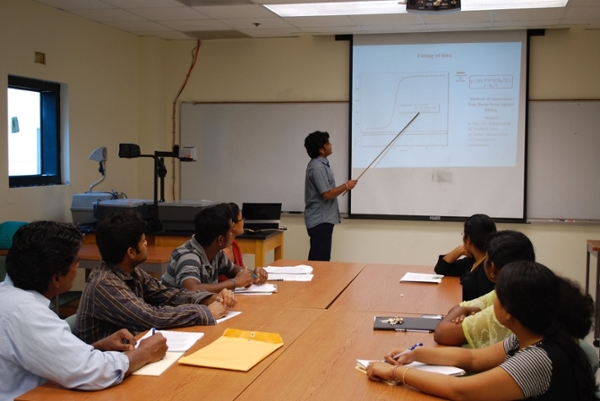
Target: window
<point>33,132</point>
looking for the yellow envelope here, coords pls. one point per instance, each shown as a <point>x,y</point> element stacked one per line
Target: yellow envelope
<point>235,350</point>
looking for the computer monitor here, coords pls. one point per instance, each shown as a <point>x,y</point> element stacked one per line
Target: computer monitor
<point>261,216</point>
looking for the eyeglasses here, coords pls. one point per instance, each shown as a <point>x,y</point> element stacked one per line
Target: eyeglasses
<point>237,221</point>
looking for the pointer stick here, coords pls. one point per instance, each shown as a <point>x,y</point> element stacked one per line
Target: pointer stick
<point>384,149</point>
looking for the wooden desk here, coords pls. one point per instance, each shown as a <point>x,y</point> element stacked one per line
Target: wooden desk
<point>320,364</point>
<point>378,288</point>
<point>183,382</point>
<point>321,345</point>
<point>593,246</point>
<point>261,245</point>
<point>157,261</point>
<point>330,280</point>
<point>257,244</point>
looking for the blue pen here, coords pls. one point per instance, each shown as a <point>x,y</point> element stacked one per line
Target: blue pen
<point>397,356</point>
<point>154,331</point>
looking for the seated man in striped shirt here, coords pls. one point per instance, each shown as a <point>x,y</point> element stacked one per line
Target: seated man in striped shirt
<point>119,294</point>
<point>197,264</point>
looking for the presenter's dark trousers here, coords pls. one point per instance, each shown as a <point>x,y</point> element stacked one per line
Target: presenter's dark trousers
<point>320,242</point>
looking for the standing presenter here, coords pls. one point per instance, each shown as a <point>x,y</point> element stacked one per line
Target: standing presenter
<point>321,211</point>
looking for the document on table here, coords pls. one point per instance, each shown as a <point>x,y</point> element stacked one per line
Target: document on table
<point>263,289</point>
<point>177,341</point>
<point>290,273</point>
<point>229,315</point>
<point>290,277</point>
<point>422,278</point>
<point>300,269</point>
<point>157,368</point>
<point>362,364</point>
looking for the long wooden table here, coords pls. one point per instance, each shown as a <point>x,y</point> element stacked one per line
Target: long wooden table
<point>322,340</point>
<point>378,288</point>
<point>320,365</point>
<point>329,282</point>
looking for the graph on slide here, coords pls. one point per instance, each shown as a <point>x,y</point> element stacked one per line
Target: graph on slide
<point>388,101</point>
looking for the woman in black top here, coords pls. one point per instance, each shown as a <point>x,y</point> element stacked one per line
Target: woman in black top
<point>466,260</point>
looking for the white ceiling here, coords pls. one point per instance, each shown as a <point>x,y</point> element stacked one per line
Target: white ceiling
<point>218,19</point>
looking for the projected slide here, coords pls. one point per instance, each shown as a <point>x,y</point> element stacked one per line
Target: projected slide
<point>466,94</point>
<point>386,109</point>
<point>465,151</point>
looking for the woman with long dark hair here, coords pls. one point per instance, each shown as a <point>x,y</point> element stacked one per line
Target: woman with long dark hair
<point>466,260</point>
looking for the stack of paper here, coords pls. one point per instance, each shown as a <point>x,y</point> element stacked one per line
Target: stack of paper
<point>361,365</point>
<point>422,278</point>
<point>178,342</point>
<point>290,273</point>
<point>263,289</point>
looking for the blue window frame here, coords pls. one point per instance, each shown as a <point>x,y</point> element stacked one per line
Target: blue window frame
<point>34,132</point>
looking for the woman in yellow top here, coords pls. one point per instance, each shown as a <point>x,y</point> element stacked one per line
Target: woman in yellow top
<point>472,322</point>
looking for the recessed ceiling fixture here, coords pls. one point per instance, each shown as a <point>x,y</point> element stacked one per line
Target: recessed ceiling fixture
<point>396,7</point>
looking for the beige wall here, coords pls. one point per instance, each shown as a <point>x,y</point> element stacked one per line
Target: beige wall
<point>121,89</point>
<point>100,67</point>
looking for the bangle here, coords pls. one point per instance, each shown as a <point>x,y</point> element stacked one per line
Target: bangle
<point>404,374</point>
<point>394,378</point>
<point>347,187</point>
<point>234,282</point>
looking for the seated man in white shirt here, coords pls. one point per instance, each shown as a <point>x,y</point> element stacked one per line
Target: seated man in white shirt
<point>36,344</point>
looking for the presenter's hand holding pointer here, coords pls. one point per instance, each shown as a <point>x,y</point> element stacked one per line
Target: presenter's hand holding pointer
<point>350,184</point>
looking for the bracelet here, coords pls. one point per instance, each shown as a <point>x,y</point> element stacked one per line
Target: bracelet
<point>234,283</point>
<point>394,373</point>
<point>347,187</point>
<point>404,374</point>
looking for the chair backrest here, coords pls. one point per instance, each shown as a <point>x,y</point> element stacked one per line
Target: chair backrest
<point>7,231</point>
<point>71,320</point>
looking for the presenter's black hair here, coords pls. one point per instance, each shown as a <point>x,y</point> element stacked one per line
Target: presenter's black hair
<point>314,142</point>
<point>478,227</point>
<point>508,246</point>
<point>211,222</point>
<point>530,293</point>
<point>117,233</point>
<point>39,251</point>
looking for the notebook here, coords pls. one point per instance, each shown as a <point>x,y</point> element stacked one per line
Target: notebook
<point>397,323</point>
<point>261,216</point>
<point>362,364</point>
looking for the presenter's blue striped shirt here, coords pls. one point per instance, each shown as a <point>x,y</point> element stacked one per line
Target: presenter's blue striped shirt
<point>319,179</point>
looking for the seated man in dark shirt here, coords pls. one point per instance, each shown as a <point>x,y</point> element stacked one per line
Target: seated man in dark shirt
<point>120,294</point>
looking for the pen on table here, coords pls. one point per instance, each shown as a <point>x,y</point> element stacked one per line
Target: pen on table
<point>414,331</point>
<point>397,356</point>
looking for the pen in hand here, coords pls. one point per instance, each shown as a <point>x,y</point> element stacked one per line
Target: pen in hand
<point>411,348</point>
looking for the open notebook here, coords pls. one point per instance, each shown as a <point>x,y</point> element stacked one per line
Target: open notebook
<point>361,365</point>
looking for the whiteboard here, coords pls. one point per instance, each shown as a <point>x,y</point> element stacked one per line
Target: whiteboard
<point>563,160</point>
<point>254,152</point>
